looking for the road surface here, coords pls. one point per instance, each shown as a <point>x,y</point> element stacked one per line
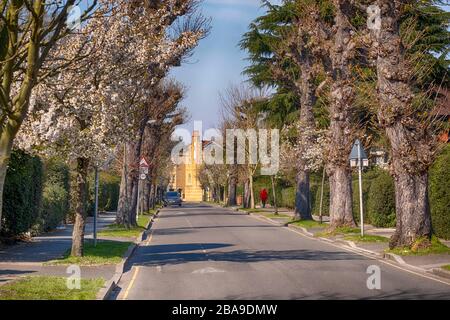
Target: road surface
<point>204,252</point>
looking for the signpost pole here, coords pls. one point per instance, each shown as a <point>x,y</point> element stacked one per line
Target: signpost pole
<point>143,171</point>
<point>138,195</point>
<point>96,206</point>
<point>361,207</point>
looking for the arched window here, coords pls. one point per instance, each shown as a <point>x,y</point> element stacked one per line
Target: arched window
<point>189,178</point>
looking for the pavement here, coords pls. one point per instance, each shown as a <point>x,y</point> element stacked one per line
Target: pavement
<point>201,251</point>
<point>28,258</point>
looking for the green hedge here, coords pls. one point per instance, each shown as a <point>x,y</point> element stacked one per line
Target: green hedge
<point>440,194</point>
<point>368,177</point>
<point>36,195</point>
<point>288,198</point>
<point>55,195</point>
<point>22,195</point>
<point>381,201</point>
<point>108,192</point>
<point>315,209</point>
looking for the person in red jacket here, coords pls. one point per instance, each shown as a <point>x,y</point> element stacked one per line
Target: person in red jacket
<point>263,195</point>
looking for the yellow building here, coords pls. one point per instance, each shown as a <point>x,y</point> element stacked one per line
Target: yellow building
<point>185,176</point>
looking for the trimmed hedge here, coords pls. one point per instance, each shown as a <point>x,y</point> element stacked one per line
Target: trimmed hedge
<point>36,195</point>
<point>381,201</point>
<point>108,192</point>
<point>56,202</point>
<point>326,199</point>
<point>288,198</point>
<point>22,195</point>
<point>440,194</point>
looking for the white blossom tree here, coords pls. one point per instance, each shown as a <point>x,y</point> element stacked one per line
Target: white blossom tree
<point>29,30</point>
<point>84,112</point>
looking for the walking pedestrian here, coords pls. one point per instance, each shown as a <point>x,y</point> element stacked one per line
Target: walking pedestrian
<point>263,195</point>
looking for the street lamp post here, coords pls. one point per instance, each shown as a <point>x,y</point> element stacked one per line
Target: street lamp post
<point>96,206</point>
<point>358,158</point>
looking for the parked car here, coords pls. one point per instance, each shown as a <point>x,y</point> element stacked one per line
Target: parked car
<point>172,198</point>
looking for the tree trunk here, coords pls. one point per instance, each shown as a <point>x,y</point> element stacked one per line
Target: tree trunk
<point>413,211</point>
<point>275,205</point>
<point>341,126</point>
<point>5,153</point>
<point>246,198</point>
<point>232,191</point>
<point>252,192</point>
<point>80,210</point>
<point>302,196</point>
<point>341,198</point>
<point>153,196</point>
<point>146,186</point>
<point>123,205</point>
<point>411,150</point>
<point>307,90</point>
<point>126,209</point>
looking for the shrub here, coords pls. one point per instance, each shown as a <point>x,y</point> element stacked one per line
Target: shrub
<point>108,192</point>
<point>288,198</point>
<point>440,194</point>
<point>55,195</point>
<point>367,177</point>
<point>22,195</point>
<point>326,199</point>
<point>381,201</point>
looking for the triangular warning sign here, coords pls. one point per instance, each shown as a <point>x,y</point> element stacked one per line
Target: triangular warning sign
<point>143,163</point>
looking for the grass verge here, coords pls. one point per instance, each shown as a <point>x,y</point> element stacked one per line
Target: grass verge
<point>338,231</point>
<point>49,288</point>
<point>422,247</point>
<point>276,216</point>
<point>252,210</point>
<point>308,224</point>
<point>119,231</point>
<point>447,267</point>
<point>366,238</point>
<point>106,252</point>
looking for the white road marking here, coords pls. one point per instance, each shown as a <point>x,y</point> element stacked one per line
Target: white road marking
<point>208,270</point>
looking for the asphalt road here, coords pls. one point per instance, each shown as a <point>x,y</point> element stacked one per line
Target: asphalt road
<point>204,252</point>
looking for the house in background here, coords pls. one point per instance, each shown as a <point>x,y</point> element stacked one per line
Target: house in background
<point>379,158</point>
<point>184,177</point>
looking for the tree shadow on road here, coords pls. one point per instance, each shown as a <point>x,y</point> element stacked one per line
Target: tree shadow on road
<point>172,254</point>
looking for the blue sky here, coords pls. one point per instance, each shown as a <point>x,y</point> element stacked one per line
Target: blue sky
<point>217,62</point>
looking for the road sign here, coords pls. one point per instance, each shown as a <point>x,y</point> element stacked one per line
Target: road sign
<point>143,170</point>
<point>143,163</point>
<point>358,156</point>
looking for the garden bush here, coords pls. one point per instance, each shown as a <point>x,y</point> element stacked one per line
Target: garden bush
<point>440,194</point>
<point>56,204</point>
<point>326,199</point>
<point>288,198</point>
<point>367,177</point>
<point>381,201</point>
<point>22,195</point>
<point>108,192</point>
